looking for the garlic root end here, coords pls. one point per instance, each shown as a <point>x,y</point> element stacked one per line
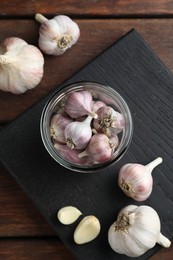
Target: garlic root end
<point>164,241</point>
<point>40,18</point>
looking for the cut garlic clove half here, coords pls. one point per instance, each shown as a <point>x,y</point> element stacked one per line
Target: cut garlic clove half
<point>68,215</point>
<point>87,230</point>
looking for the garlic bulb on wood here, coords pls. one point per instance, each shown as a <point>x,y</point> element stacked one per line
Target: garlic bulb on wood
<point>136,230</point>
<point>21,65</point>
<point>57,34</point>
<point>136,180</point>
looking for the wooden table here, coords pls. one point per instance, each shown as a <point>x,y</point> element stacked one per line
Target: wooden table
<point>24,234</point>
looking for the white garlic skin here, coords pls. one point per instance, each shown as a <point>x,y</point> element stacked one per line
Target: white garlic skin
<point>79,103</point>
<point>136,180</point>
<point>19,70</point>
<point>57,34</point>
<point>136,230</point>
<point>78,134</point>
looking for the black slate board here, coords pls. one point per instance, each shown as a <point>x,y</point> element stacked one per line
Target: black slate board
<point>132,68</point>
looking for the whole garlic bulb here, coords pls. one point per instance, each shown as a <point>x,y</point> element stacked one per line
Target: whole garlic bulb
<point>136,230</point>
<point>21,65</point>
<point>136,180</point>
<point>57,34</point>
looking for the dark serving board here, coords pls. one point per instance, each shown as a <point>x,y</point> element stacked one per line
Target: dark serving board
<point>135,71</point>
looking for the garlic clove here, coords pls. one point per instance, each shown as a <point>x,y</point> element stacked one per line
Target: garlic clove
<point>57,34</point>
<point>68,215</point>
<point>97,104</point>
<point>87,230</point>
<point>19,70</point>
<point>79,103</point>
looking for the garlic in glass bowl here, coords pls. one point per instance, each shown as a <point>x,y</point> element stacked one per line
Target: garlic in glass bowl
<point>86,126</point>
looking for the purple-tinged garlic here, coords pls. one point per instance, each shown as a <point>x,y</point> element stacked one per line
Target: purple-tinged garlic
<point>78,134</point>
<point>21,65</point>
<point>99,149</point>
<point>136,180</point>
<point>108,121</point>
<point>114,142</point>
<point>57,126</point>
<point>97,104</point>
<point>79,103</point>
<point>57,34</point>
<point>69,155</point>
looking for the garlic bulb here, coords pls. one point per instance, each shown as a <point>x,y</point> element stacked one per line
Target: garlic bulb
<point>87,230</point>
<point>136,180</point>
<point>21,65</point>
<point>109,121</point>
<point>79,103</point>
<point>57,34</point>
<point>78,134</point>
<point>99,149</point>
<point>136,230</point>
<point>68,215</point>
<point>57,126</point>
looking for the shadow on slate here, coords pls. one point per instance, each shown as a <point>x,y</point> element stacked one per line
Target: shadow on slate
<point>134,70</point>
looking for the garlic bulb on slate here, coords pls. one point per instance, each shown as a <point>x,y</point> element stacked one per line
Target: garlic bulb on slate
<point>136,230</point>
<point>78,134</point>
<point>21,65</point>
<point>79,103</point>
<point>136,180</point>
<point>57,34</point>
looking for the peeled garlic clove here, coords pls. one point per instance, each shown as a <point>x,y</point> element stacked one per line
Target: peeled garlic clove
<point>78,134</point>
<point>79,103</point>
<point>57,34</point>
<point>19,70</point>
<point>57,126</point>
<point>136,180</point>
<point>87,230</point>
<point>68,215</point>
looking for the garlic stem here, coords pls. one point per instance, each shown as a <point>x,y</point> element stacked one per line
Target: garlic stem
<point>40,18</point>
<point>154,163</point>
<point>163,241</point>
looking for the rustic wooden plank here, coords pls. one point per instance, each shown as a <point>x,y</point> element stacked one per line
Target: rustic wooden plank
<point>89,8</point>
<point>27,249</point>
<point>96,36</point>
<point>47,248</point>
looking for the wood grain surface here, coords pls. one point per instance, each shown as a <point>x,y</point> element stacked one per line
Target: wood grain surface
<point>24,234</point>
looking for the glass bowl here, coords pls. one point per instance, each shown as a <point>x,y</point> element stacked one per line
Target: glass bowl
<point>100,92</point>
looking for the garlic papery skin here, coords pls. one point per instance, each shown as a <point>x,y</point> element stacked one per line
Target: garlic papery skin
<point>78,134</point>
<point>79,103</point>
<point>108,118</point>
<point>57,34</point>
<point>97,104</point>
<point>57,126</point>
<point>136,180</point>
<point>68,215</point>
<point>136,230</point>
<point>87,230</point>
<point>99,149</point>
<point>21,65</point>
